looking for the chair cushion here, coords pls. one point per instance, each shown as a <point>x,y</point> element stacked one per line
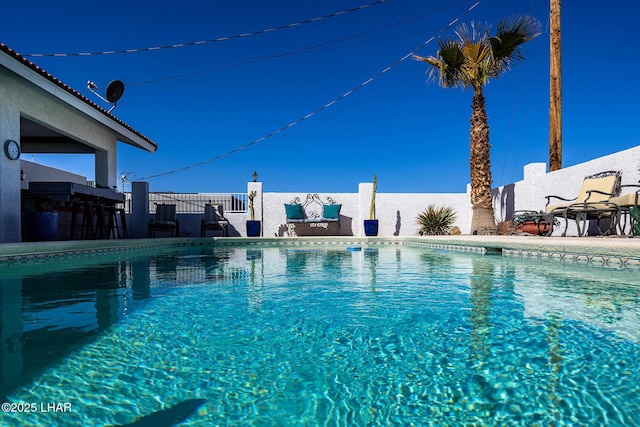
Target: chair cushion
<point>331,211</point>
<point>294,211</point>
<point>550,208</point>
<point>210,214</point>
<point>625,200</point>
<point>165,213</point>
<point>604,184</point>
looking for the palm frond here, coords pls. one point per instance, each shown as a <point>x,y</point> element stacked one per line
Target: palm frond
<point>475,57</point>
<point>428,59</point>
<point>475,32</point>
<point>511,34</point>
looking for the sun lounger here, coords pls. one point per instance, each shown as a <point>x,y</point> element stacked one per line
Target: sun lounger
<point>593,202</point>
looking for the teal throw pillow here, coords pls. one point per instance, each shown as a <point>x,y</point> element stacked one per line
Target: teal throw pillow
<point>331,211</point>
<point>294,211</point>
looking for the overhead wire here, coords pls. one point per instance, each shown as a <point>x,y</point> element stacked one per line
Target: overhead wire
<point>297,51</point>
<point>316,111</point>
<point>202,42</point>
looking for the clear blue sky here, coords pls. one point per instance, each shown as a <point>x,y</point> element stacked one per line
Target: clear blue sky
<point>199,102</point>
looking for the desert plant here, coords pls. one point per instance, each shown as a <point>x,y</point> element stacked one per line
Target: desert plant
<point>435,221</point>
<point>372,209</point>
<point>252,195</point>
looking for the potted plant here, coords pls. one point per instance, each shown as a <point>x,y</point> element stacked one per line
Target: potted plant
<point>533,222</point>
<point>43,223</point>
<point>371,224</point>
<point>253,226</point>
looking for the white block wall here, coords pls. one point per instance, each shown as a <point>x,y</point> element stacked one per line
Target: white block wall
<point>397,212</point>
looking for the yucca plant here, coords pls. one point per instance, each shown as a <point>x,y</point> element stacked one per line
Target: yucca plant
<point>435,221</point>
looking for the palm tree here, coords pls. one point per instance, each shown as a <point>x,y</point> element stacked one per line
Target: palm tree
<point>471,61</point>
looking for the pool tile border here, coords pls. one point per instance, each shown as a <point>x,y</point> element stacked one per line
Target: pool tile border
<point>46,253</point>
<point>576,258</point>
<point>354,242</point>
<point>34,252</point>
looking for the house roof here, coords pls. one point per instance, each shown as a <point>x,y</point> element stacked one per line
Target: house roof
<point>30,65</point>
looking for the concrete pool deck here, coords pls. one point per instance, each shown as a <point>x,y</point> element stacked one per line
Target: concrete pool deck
<point>614,250</point>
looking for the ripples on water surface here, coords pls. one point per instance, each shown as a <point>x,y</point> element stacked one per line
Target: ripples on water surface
<point>382,336</point>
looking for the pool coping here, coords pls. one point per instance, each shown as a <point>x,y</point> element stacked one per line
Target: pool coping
<point>611,250</point>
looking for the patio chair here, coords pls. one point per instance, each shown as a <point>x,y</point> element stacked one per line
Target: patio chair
<point>626,212</point>
<point>213,220</point>
<point>591,203</point>
<point>165,220</point>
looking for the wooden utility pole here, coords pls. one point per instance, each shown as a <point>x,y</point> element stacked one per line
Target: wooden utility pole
<point>555,89</point>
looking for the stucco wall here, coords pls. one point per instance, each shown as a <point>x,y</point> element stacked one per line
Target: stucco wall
<point>36,172</point>
<point>531,191</point>
<point>9,173</point>
<point>275,219</point>
<point>397,212</point>
<point>41,107</point>
<point>22,99</point>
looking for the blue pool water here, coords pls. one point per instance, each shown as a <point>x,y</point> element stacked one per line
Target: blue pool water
<point>314,336</point>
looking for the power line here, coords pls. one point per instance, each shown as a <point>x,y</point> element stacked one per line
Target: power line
<point>202,42</point>
<point>313,113</point>
<point>297,51</point>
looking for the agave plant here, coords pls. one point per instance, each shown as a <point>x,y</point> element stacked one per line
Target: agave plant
<point>435,221</point>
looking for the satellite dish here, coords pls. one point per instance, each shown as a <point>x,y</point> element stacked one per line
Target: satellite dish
<point>115,91</point>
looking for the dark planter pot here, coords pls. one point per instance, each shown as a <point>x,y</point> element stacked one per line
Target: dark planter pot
<point>253,228</point>
<point>370,227</point>
<point>42,226</point>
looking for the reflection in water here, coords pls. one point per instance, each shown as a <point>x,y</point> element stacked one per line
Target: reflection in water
<point>481,285</point>
<point>46,316</point>
<point>256,278</point>
<point>393,334</point>
<point>371,255</point>
<point>553,327</point>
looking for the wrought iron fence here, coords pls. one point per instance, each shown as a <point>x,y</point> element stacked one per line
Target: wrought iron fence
<point>193,203</point>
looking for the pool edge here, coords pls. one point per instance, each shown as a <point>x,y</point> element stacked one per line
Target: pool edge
<point>620,250</point>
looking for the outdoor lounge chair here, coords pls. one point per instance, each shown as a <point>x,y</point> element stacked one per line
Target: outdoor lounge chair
<point>213,220</point>
<point>625,203</point>
<point>593,202</point>
<point>165,220</point>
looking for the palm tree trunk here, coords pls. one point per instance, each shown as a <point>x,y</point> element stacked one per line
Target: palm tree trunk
<point>482,221</point>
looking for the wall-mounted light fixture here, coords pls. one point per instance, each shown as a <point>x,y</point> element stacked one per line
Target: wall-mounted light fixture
<point>23,175</point>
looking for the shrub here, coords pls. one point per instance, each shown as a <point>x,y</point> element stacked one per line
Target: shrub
<point>435,221</point>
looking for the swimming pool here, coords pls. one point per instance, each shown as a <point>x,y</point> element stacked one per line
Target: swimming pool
<point>392,335</point>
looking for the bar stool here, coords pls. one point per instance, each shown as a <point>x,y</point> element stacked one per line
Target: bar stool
<point>86,226</point>
<point>101,227</point>
<point>116,223</point>
<point>122,223</point>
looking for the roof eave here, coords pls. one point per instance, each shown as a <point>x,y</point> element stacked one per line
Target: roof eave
<point>45,81</point>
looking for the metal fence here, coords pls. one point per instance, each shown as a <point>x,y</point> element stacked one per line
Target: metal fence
<point>192,203</point>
